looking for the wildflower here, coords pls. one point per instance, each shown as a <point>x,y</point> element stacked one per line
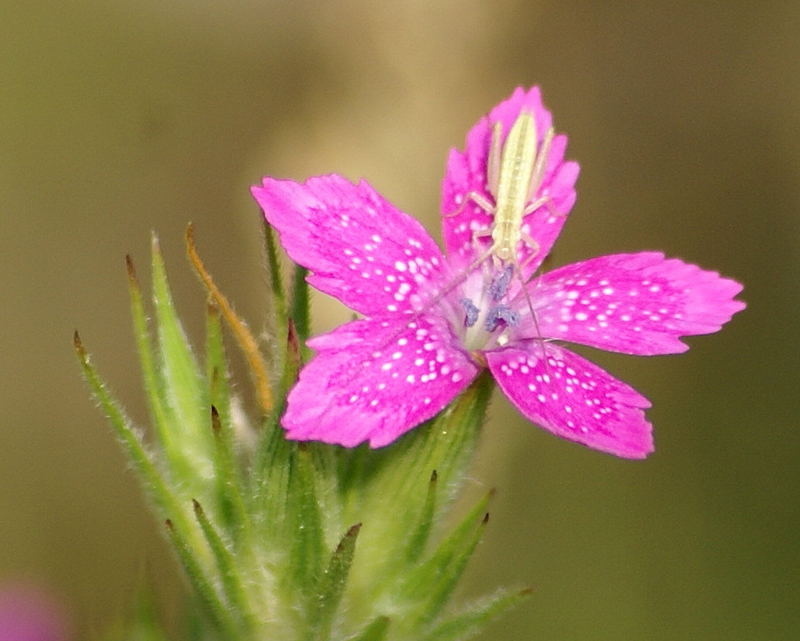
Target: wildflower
<point>28,614</point>
<point>432,322</point>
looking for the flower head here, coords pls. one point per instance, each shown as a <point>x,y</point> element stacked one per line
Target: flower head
<point>28,614</point>
<point>433,321</point>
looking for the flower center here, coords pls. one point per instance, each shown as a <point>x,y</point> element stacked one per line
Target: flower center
<point>488,320</point>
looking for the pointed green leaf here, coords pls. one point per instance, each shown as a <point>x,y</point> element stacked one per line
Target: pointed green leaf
<point>432,583</point>
<point>217,374</point>
<point>444,444</point>
<point>149,474</point>
<point>190,449</point>
<point>160,412</point>
<point>235,594</point>
<point>475,617</point>
<point>375,631</point>
<point>145,625</point>
<point>217,611</point>
<point>142,624</point>
<point>415,545</point>
<point>274,453</point>
<point>278,298</point>
<point>332,584</point>
<point>227,471</point>
<point>391,488</point>
<point>271,481</point>
<point>259,371</point>
<point>307,536</point>
<point>232,508</point>
<point>299,312</point>
<point>293,358</point>
<point>274,270</point>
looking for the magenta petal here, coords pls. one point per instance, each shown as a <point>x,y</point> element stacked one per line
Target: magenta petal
<point>634,303</point>
<point>574,399</point>
<point>358,246</point>
<point>27,614</point>
<point>466,172</point>
<point>374,380</point>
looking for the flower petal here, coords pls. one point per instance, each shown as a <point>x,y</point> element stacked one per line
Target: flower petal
<point>573,398</point>
<point>373,380</point>
<point>358,246</point>
<point>467,173</point>
<point>633,303</point>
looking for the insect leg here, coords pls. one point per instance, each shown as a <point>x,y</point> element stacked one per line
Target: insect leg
<point>539,167</point>
<point>476,198</point>
<point>492,175</point>
<point>539,338</point>
<point>494,159</point>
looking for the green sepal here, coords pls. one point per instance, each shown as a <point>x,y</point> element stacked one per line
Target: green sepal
<point>229,573</point>
<point>307,537</point>
<point>271,478</point>
<point>141,624</point>
<point>155,388</point>
<point>228,473</point>
<point>191,445</point>
<point>416,543</point>
<point>271,469</point>
<point>149,474</point>
<point>431,584</point>
<point>277,310</point>
<point>391,485</point>
<point>217,374</point>
<point>300,310</point>
<point>473,618</point>
<point>374,631</point>
<point>274,273</point>
<point>332,583</point>
<point>231,503</point>
<point>216,610</point>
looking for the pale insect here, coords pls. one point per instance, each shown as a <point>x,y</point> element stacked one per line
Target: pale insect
<point>515,171</point>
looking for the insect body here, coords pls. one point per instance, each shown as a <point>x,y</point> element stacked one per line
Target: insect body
<point>515,170</point>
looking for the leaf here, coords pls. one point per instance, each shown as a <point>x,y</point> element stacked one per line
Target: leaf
<point>190,449</point>
<point>419,537</point>
<point>390,488</point>
<point>227,472</point>
<point>299,312</point>
<point>475,617</point>
<point>149,475</point>
<point>307,535</point>
<point>375,631</point>
<point>433,581</point>
<point>332,584</point>
<point>271,469</point>
<point>278,313</point>
<point>216,610</point>
<point>241,332</point>
<point>217,374</point>
<point>160,411</point>
<point>232,508</point>
<point>235,594</point>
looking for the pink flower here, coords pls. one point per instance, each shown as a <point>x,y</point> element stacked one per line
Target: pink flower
<point>432,322</point>
<point>28,614</point>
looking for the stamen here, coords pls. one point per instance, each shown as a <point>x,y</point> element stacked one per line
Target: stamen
<point>501,314</point>
<point>500,283</point>
<point>471,312</point>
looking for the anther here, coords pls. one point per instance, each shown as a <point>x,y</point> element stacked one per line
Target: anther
<point>500,283</point>
<point>471,312</point>
<point>501,314</point>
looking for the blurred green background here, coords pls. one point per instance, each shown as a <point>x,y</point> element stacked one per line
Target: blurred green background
<point>117,118</point>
